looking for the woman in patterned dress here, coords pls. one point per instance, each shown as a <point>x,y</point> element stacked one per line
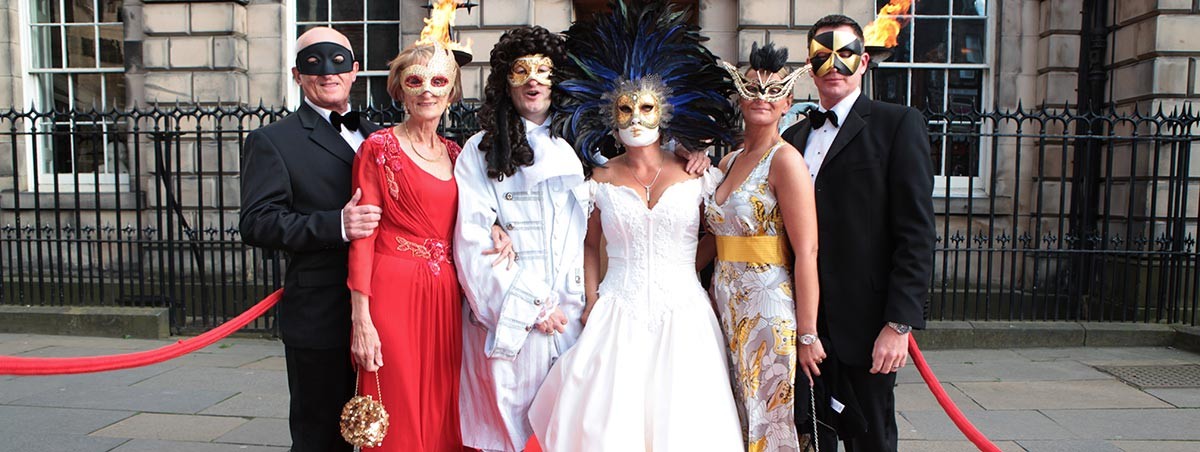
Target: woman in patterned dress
<point>765,284</point>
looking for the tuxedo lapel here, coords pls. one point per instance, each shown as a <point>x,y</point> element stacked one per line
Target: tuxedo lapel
<point>320,132</point>
<point>799,138</point>
<point>854,123</point>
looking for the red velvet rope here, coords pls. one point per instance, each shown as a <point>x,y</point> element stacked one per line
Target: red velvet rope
<point>14,365</point>
<point>948,405</point>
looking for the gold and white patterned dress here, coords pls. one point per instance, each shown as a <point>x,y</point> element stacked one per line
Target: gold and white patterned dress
<point>752,286</point>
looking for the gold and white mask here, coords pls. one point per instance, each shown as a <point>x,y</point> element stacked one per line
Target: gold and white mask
<point>759,87</point>
<point>436,76</point>
<point>536,67</point>
<point>637,109</point>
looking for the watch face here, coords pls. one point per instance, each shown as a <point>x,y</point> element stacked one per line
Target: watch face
<point>808,339</point>
<point>900,327</point>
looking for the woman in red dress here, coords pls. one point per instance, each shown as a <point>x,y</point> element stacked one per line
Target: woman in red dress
<point>404,291</point>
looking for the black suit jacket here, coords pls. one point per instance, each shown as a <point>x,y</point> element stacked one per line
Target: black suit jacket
<point>875,222</point>
<point>295,181</point>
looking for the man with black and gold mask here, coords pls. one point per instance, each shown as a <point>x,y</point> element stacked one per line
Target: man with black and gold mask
<point>873,176</point>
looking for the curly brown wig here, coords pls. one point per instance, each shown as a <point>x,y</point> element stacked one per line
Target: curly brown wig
<point>504,145</point>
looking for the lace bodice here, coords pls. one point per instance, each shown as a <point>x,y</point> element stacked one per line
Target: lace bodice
<point>652,251</point>
<point>751,208</point>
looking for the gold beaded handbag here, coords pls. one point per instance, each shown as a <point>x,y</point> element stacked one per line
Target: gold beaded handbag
<point>364,421</point>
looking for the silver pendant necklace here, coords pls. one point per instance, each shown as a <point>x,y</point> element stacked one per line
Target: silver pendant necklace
<point>646,186</point>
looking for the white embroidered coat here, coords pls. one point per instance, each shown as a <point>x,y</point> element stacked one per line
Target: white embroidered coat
<point>544,209</point>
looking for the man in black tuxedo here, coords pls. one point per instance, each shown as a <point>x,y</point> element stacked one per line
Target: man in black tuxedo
<point>296,199</point>
<point>871,167</point>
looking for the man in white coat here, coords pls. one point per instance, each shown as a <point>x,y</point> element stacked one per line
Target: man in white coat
<point>515,174</point>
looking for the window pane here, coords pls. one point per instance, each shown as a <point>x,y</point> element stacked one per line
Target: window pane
<point>936,136</point>
<point>383,10</point>
<point>931,7</point>
<point>44,11</point>
<point>354,33</point>
<point>928,87</point>
<point>891,85</point>
<point>88,92</point>
<point>930,41</point>
<point>59,91</point>
<point>81,47</point>
<point>902,53</point>
<point>383,43</point>
<point>348,10</point>
<point>110,10</point>
<point>44,47</point>
<point>966,90</point>
<point>379,94</point>
<point>358,95</point>
<point>969,39</point>
<point>963,150</point>
<point>112,46</point>
<point>57,158</point>
<point>89,155</point>
<point>312,11</point>
<point>970,7</point>
<point>114,91</point>
<point>80,11</point>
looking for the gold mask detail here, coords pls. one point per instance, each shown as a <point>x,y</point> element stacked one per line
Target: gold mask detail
<point>825,53</point>
<point>531,67</point>
<point>436,76</point>
<point>759,88</point>
<point>638,108</point>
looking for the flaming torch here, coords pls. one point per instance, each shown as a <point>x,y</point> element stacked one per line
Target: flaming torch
<point>880,34</point>
<point>437,29</point>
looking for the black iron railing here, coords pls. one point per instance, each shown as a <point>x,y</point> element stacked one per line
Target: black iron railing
<point>140,209</point>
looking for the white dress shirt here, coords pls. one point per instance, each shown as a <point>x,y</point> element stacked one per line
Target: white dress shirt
<point>821,138</point>
<point>543,207</point>
<point>353,138</point>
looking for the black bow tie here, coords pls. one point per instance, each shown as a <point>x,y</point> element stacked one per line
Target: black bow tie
<point>349,120</point>
<point>817,118</point>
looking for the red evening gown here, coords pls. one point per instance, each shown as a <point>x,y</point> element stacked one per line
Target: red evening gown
<point>405,268</point>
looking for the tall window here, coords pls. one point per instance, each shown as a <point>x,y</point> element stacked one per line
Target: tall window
<point>940,66</point>
<point>373,27</point>
<point>77,63</point>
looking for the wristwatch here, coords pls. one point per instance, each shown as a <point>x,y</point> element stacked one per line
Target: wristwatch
<point>899,327</point>
<point>808,339</point>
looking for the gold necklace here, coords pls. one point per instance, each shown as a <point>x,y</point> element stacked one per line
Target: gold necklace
<point>415,148</point>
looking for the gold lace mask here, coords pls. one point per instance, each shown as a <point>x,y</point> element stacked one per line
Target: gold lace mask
<point>436,76</point>
<point>531,67</point>
<point>641,107</point>
<point>758,87</point>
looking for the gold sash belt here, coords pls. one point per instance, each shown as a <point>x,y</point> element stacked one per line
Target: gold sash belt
<point>763,249</point>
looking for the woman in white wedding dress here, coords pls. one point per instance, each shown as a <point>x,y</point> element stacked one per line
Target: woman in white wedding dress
<point>649,371</point>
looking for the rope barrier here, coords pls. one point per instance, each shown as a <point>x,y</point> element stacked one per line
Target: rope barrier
<point>14,365</point>
<point>964,425</point>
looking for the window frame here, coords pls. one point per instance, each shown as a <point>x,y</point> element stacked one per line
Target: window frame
<point>292,97</point>
<point>959,186</point>
<point>32,89</point>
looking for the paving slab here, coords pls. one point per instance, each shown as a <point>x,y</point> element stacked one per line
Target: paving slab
<point>996,425</point>
<point>1105,355</point>
<point>22,419</point>
<point>1158,446</point>
<point>218,379</point>
<point>144,445</point>
<point>955,446</point>
<point>198,359</point>
<point>1006,371</point>
<point>917,397</point>
<point>1155,424</point>
<point>172,427</point>
<point>20,387</point>
<point>252,405</point>
<point>1037,395</point>
<point>40,441</point>
<point>126,398</point>
<point>269,363</point>
<point>1180,397</point>
<point>905,430</point>
<point>972,355</point>
<point>1068,446</point>
<point>260,432</point>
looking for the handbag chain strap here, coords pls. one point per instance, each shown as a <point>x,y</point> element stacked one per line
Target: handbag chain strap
<point>813,406</point>
<point>378,389</point>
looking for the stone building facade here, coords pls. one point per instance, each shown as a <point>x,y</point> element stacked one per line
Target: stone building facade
<point>954,57</point>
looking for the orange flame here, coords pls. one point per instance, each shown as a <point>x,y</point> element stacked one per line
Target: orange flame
<point>883,30</point>
<point>437,26</point>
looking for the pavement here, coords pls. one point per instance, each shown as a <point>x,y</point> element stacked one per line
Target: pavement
<point>232,396</point>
